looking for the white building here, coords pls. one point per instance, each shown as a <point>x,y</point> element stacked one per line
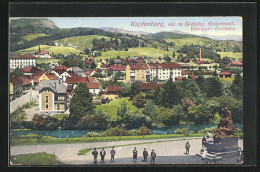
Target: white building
<point>43,55</point>
<point>22,61</point>
<point>163,71</point>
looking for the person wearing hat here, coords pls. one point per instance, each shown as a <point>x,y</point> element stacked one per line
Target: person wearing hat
<point>112,152</point>
<point>145,154</point>
<point>95,154</point>
<point>187,146</point>
<point>102,154</point>
<point>153,155</point>
<point>135,152</point>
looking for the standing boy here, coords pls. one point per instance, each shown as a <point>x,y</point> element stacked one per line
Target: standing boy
<point>112,152</point>
<point>187,146</point>
<point>95,154</point>
<point>153,155</point>
<point>102,154</point>
<point>145,154</point>
<point>135,152</point>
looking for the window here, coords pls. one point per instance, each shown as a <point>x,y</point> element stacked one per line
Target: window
<point>47,106</point>
<point>46,99</point>
<point>58,106</point>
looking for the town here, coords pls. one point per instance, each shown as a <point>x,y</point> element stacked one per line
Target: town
<point>97,89</point>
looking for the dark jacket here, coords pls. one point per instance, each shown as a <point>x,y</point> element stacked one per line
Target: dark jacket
<point>145,153</point>
<point>104,153</point>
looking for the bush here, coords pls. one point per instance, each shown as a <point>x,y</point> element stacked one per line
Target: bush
<point>210,130</point>
<point>182,131</point>
<point>143,131</point>
<point>21,125</point>
<point>136,119</point>
<point>92,134</point>
<point>117,131</point>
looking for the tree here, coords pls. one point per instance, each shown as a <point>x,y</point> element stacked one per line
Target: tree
<point>38,122</point>
<point>149,108</point>
<point>199,114</point>
<point>17,72</point>
<point>190,54</point>
<point>214,87</point>
<point>81,102</point>
<point>173,54</point>
<point>166,116</point>
<point>135,89</point>
<point>170,94</point>
<point>98,120</point>
<point>237,87</point>
<point>136,119</point>
<point>139,101</point>
<point>121,112</point>
<point>126,90</point>
<point>143,130</point>
<point>51,123</point>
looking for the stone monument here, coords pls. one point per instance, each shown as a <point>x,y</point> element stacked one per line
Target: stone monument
<point>225,143</point>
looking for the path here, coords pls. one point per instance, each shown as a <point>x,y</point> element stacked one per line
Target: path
<point>170,152</point>
<point>23,100</point>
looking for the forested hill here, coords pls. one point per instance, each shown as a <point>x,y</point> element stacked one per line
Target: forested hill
<point>163,35</point>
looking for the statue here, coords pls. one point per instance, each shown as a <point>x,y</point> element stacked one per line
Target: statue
<point>226,127</point>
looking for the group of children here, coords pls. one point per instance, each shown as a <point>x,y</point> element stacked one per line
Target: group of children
<point>113,152</point>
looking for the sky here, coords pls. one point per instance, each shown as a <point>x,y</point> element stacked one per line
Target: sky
<point>130,24</point>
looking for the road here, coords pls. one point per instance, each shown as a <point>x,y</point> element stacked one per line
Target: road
<point>169,152</point>
<point>23,100</point>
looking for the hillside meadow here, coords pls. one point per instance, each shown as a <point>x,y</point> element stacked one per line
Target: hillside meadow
<point>51,49</point>
<point>236,56</point>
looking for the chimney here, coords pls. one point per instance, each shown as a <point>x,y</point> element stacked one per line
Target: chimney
<point>55,85</point>
<point>200,54</point>
<point>139,50</point>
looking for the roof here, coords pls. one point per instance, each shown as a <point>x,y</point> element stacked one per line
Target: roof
<point>164,65</point>
<point>51,76</point>
<point>88,62</point>
<point>75,79</point>
<point>114,88</point>
<point>37,75</point>
<point>22,56</point>
<point>30,69</point>
<point>203,62</point>
<point>91,58</point>
<point>75,69</point>
<point>117,60</point>
<point>88,72</point>
<point>42,52</point>
<point>103,66</point>
<point>91,79</point>
<point>185,72</point>
<point>149,86</point>
<point>60,67</point>
<point>178,78</point>
<point>55,85</point>
<point>225,73</point>
<point>25,80</point>
<point>15,80</point>
<point>237,63</point>
<point>193,77</point>
<point>116,67</point>
<point>61,71</point>
<point>93,85</point>
<point>137,66</point>
<point>228,66</point>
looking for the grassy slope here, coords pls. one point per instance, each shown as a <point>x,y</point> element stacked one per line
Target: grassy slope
<point>111,108</point>
<point>36,159</point>
<point>189,41</point>
<point>144,51</point>
<point>81,41</point>
<point>51,49</point>
<point>34,36</point>
<point>237,56</point>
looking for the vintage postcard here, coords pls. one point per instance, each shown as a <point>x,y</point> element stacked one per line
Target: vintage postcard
<point>125,90</point>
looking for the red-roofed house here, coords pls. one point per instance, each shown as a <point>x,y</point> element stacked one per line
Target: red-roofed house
<point>16,87</point>
<point>225,74</point>
<point>22,61</point>
<point>94,87</point>
<point>117,68</point>
<point>43,55</point>
<point>185,73</point>
<point>48,76</point>
<point>112,92</point>
<point>148,86</point>
<point>193,77</point>
<point>29,70</point>
<point>26,82</point>
<point>35,78</point>
<point>237,65</point>
<point>178,78</point>
<point>75,80</point>
<point>89,72</point>
<point>91,58</point>
<point>61,67</point>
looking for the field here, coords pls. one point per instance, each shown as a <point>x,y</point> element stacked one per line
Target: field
<point>144,51</point>
<point>236,56</point>
<point>190,41</point>
<point>51,49</point>
<point>111,108</point>
<point>39,61</point>
<point>34,36</point>
<point>35,159</point>
<point>80,41</point>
